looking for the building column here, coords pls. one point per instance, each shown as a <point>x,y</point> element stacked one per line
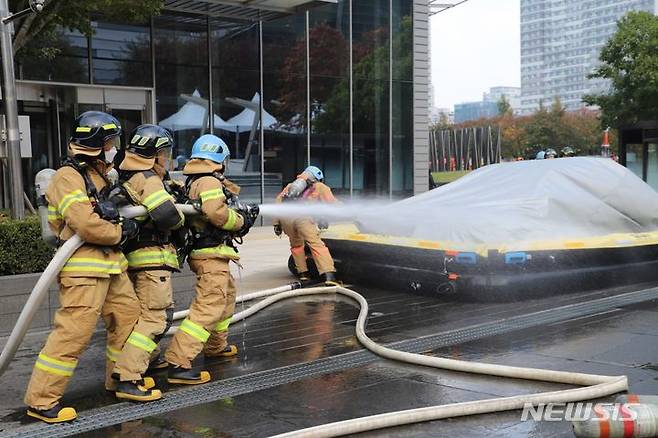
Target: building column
<point>421,89</point>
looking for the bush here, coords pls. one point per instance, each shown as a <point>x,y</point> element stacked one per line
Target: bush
<point>22,250</point>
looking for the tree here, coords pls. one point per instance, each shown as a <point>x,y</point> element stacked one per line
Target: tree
<point>74,15</point>
<point>504,107</point>
<point>328,61</point>
<point>630,62</point>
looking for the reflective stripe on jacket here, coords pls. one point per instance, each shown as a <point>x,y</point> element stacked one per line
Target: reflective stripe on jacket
<point>70,211</point>
<point>148,190</point>
<point>210,192</point>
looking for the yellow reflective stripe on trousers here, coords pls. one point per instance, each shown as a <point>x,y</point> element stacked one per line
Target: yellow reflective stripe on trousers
<point>53,214</point>
<point>145,258</point>
<point>142,342</point>
<point>88,264</point>
<point>70,199</point>
<point>152,201</point>
<point>231,221</point>
<point>195,330</point>
<point>112,354</point>
<point>54,366</point>
<point>222,326</point>
<point>221,250</point>
<point>211,194</point>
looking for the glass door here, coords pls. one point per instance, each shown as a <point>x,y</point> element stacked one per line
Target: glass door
<point>635,159</point>
<point>129,119</point>
<point>652,165</point>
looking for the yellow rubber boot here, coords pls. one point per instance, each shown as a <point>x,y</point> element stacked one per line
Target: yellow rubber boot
<point>136,391</point>
<point>183,376</point>
<point>56,414</point>
<point>230,351</point>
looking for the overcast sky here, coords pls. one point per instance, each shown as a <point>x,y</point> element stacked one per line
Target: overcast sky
<point>475,46</point>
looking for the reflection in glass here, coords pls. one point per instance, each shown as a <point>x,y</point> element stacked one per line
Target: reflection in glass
<point>284,81</point>
<point>329,86</point>
<point>181,64</point>
<point>652,165</point>
<point>121,54</point>
<point>371,96</point>
<point>635,159</point>
<point>35,61</point>
<point>402,98</point>
<point>236,82</point>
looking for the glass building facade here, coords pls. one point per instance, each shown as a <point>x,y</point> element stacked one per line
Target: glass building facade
<point>334,87</point>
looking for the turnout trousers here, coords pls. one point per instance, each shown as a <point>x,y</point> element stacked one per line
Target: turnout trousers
<point>82,301</point>
<point>206,326</point>
<point>305,232</point>
<point>154,291</point>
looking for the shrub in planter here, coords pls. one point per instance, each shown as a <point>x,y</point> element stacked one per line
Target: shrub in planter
<point>21,249</point>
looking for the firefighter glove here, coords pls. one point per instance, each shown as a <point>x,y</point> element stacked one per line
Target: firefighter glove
<point>129,230</point>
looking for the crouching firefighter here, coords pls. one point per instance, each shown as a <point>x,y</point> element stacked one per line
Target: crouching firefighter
<point>151,256</point>
<point>214,233</point>
<point>93,281</point>
<point>308,187</point>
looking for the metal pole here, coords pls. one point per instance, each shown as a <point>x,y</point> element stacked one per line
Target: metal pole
<point>260,118</point>
<point>308,90</point>
<point>390,99</point>
<point>351,108</point>
<point>211,110</point>
<point>13,140</point>
<point>154,113</point>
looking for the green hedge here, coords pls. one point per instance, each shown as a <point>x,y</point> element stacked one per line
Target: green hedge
<point>21,249</point>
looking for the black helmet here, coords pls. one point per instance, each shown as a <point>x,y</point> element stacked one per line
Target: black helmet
<point>550,153</point>
<point>92,129</point>
<point>568,151</point>
<point>147,140</point>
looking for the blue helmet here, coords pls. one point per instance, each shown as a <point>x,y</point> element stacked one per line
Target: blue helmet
<point>315,172</point>
<point>540,155</point>
<point>210,147</point>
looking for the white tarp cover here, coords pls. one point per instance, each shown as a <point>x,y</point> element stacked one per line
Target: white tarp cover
<point>527,201</point>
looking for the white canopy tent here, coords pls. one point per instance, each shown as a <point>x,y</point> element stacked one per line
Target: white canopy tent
<point>192,116</point>
<point>244,121</point>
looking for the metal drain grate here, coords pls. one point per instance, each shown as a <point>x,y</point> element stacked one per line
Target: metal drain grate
<point>119,413</point>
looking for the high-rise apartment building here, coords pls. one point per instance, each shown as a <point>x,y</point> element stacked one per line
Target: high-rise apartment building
<point>560,45</point>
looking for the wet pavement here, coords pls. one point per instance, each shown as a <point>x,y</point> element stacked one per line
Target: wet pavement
<point>621,340</point>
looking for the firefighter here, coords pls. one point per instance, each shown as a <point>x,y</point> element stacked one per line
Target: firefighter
<point>206,327</point>
<point>93,281</point>
<point>308,187</point>
<point>151,256</point>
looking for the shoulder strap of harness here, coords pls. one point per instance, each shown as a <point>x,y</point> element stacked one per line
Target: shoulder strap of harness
<point>125,175</point>
<point>82,167</point>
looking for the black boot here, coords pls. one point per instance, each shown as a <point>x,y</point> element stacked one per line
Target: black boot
<point>136,391</point>
<point>157,364</point>
<point>146,382</point>
<point>304,278</point>
<point>329,279</point>
<point>183,376</point>
<point>230,351</point>
<point>56,414</point>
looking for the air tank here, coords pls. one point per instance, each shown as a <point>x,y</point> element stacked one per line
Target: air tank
<point>41,182</point>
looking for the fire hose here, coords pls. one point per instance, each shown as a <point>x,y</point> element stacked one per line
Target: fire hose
<point>592,386</point>
<point>40,290</point>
